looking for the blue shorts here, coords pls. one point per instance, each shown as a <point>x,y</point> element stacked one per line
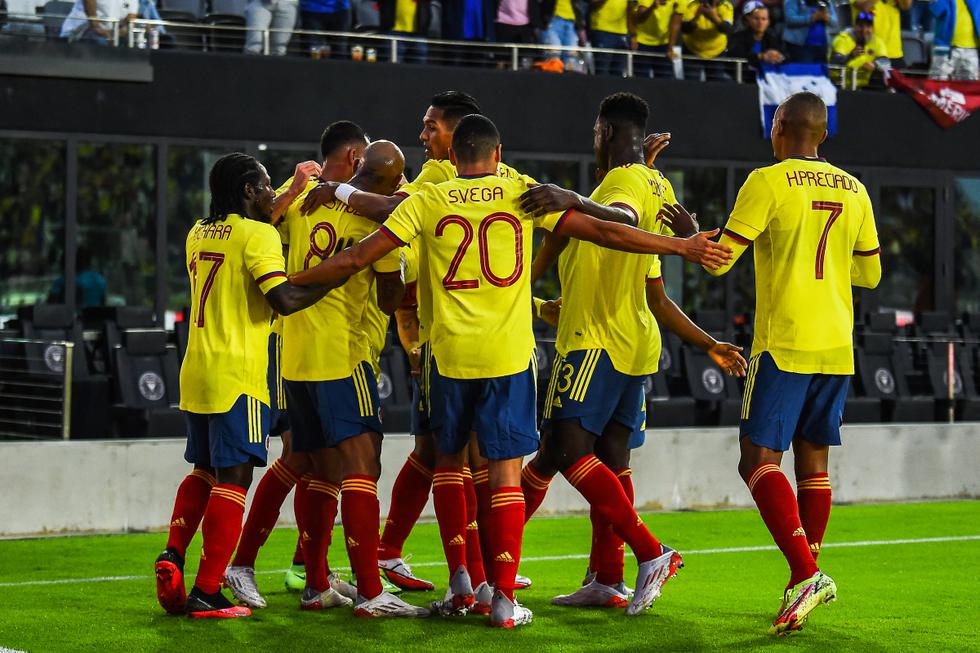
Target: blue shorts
<point>501,410</point>
<point>585,386</point>
<point>279,419</point>
<point>639,435</point>
<point>325,413</point>
<point>420,408</point>
<point>779,406</point>
<point>221,440</point>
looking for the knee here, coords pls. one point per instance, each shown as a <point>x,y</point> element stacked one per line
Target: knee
<point>425,450</point>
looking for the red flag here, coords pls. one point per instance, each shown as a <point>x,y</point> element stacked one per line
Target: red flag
<point>947,102</point>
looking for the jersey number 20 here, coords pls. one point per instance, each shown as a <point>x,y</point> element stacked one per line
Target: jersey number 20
<point>450,282</point>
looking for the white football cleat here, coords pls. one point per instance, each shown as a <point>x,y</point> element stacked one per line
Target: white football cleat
<point>507,613</point>
<point>342,587</point>
<point>595,594</point>
<point>387,605</point>
<point>241,582</point>
<point>400,575</point>
<point>484,599</point>
<point>459,596</point>
<point>521,582</point>
<point>650,578</point>
<point>329,598</point>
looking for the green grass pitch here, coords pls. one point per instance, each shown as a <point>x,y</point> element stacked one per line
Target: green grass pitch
<point>894,596</point>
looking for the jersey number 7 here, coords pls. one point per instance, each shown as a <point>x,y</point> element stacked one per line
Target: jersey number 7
<point>835,209</point>
<point>216,258</point>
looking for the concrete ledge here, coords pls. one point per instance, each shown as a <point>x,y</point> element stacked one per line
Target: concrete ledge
<point>128,485</point>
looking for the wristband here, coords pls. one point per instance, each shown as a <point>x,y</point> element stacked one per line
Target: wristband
<point>537,306</point>
<point>343,192</point>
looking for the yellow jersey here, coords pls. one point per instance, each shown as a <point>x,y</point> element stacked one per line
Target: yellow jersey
<point>328,340</point>
<point>231,264</point>
<point>844,43</point>
<point>405,16</point>
<point>375,327</point>
<point>888,26</point>
<point>604,303</point>
<point>610,17</point>
<point>563,9</point>
<point>807,219</point>
<point>655,30</point>
<point>964,29</point>
<point>706,40</point>
<point>474,268</point>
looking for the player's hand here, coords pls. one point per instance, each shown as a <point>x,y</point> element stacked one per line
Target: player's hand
<point>726,356</point>
<point>319,196</point>
<point>673,54</point>
<point>681,222</point>
<point>653,145</point>
<point>550,311</point>
<point>415,358</point>
<point>302,175</point>
<point>547,198</point>
<point>700,249</point>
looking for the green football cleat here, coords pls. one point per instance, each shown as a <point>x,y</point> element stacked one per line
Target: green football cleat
<point>799,601</point>
<point>296,578</point>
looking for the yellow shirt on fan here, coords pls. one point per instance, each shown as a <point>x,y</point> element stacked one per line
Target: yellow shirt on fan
<point>474,261</point>
<point>231,263</point>
<point>655,30</point>
<point>706,40</point>
<point>806,219</point>
<point>604,303</point>
<point>563,9</point>
<point>610,17</point>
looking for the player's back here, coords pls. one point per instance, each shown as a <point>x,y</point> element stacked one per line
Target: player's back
<point>807,218</point>
<point>229,264</point>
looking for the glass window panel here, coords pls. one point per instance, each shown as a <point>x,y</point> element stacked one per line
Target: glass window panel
<point>966,244</point>
<point>116,258</point>
<point>547,171</point>
<point>32,221</point>
<point>906,228</point>
<point>280,164</point>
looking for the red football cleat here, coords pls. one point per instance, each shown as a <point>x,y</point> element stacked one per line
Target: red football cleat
<point>169,570</point>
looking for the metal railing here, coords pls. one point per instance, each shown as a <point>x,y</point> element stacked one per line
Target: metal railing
<point>35,389</point>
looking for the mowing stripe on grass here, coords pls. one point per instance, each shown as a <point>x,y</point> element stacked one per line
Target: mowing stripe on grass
<point>574,556</point>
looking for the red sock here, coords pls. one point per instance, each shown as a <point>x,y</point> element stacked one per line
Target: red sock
<point>264,513</point>
<point>481,485</point>
<point>534,484</point>
<point>449,496</point>
<point>361,512</point>
<point>507,530</point>
<point>603,491</point>
<point>813,496</point>
<point>777,505</point>
<point>189,505</point>
<point>317,502</point>
<point>221,528</point>
<point>298,551</point>
<point>608,549</point>
<point>474,553</point>
<point>409,495</point>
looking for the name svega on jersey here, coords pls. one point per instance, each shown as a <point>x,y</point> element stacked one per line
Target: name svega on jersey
<point>604,302</point>
<point>474,263</point>
<point>231,265</point>
<point>807,219</point>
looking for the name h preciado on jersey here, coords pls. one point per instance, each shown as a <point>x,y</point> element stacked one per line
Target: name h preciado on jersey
<point>821,179</point>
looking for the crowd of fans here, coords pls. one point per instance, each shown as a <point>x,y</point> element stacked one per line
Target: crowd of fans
<point>866,35</point>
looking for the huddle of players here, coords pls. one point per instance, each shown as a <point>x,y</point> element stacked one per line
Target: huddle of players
<point>477,366</point>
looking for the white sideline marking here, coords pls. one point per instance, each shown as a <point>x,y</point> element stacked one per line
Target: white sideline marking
<point>574,556</point>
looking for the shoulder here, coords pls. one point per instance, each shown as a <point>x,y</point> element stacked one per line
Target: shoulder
<point>437,170</point>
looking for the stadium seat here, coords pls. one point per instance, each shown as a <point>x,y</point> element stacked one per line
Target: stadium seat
<point>939,325</point>
<point>52,322</point>
<point>914,50</point>
<point>109,321</point>
<point>227,8</point>
<point>54,13</point>
<point>663,410</point>
<point>181,334</point>
<point>717,395</point>
<point>395,390</point>
<point>193,8</point>
<point>221,40</point>
<point>147,383</point>
<point>880,372</point>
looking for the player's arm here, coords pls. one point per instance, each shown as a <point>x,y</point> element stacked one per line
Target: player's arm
<point>390,292</point>
<point>371,205</point>
<point>407,324</point>
<point>754,207</point>
<point>668,314</point>
<point>546,310</point>
<point>301,177</point>
<point>287,298</point>
<point>541,199</point>
<point>731,239</point>
<point>551,248</point>
<point>866,259</point>
<point>697,249</point>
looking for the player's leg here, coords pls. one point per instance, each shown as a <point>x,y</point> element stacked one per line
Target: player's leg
<point>537,474</point>
<point>813,490</point>
<point>474,552</point>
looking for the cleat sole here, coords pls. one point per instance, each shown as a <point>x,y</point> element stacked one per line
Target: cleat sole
<point>234,612</point>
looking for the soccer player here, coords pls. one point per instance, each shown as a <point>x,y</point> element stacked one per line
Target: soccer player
<point>478,371</point>
<point>815,238</point>
<point>237,275</point>
<point>333,393</point>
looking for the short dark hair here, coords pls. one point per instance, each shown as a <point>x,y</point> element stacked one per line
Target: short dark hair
<point>475,139</point>
<point>227,181</point>
<point>625,109</point>
<point>455,105</point>
<point>805,112</point>
<point>339,134</point>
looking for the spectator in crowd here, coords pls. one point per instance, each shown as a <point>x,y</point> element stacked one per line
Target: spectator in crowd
<point>563,22</point>
<point>806,35</point>
<point>859,48</point>
<point>658,25</point>
<point>516,20</point>
<point>756,42</point>
<point>888,24</point>
<point>11,22</point>
<point>326,16</point>
<point>269,14</point>
<point>407,18</point>
<point>93,20</point>
<point>954,47</point>
<point>609,27</point>
<point>706,26</point>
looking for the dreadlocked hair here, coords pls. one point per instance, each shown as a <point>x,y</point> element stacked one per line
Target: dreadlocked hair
<point>227,182</point>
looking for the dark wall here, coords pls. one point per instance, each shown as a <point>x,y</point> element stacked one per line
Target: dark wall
<point>238,98</point>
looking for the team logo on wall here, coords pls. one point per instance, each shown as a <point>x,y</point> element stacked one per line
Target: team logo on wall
<point>151,386</point>
<point>385,386</point>
<point>665,360</point>
<point>884,381</point>
<point>712,381</point>
<point>54,358</point>
<point>957,382</point>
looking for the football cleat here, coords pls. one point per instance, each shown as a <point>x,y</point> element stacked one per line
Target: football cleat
<point>342,587</point>
<point>171,593</point>
<point>507,613</point>
<point>459,596</point>
<point>296,578</point>
<point>387,605</point>
<point>800,601</point>
<point>595,594</point>
<point>589,577</point>
<point>328,598</point>
<point>521,582</point>
<point>484,599</point>
<point>213,606</point>
<point>650,579</point>
<point>397,572</point>
<point>241,582</point>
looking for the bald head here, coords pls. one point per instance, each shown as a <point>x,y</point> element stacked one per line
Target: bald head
<point>804,117</point>
<point>381,168</point>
